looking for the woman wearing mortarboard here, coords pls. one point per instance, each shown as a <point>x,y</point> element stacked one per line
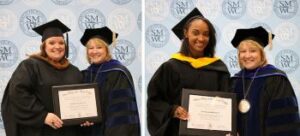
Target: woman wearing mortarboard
<point>117,95</point>
<point>267,103</point>
<point>27,106</point>
<point>194,67</point>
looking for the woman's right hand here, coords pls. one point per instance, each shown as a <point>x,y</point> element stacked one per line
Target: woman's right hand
<point>181,113</point>
<point>53,121</point>
<point>87,124</point>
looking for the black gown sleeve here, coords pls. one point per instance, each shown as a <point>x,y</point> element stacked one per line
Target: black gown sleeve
<point>25,106</point>
<point>282,115</point>
<point>8,120</point>
<point>159,104</point>
<point>224,79</point>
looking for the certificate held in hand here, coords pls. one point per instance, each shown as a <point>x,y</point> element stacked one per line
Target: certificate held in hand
<point>210,113</point>
<point>77,103</point>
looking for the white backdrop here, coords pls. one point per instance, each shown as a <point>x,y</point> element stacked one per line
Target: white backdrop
<point>17,17</point>
<point>281,17</point>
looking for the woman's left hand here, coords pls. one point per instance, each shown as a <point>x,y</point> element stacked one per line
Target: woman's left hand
<point>87,124</point>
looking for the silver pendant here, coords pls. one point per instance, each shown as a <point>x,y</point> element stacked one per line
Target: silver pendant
<point>244,106</point>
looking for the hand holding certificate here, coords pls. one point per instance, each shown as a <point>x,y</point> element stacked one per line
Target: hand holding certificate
<point>78,103</point>
<point>211,113</point>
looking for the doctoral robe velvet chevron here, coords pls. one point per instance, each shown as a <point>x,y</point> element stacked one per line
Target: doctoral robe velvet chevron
<point>118,100</point>
<point>274,108</point>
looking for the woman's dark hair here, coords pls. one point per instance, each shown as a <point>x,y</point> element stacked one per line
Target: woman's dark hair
<point>209,51</point>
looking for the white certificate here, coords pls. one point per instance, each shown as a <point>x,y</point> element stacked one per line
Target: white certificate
<point>210,113</point>
<point>77,103</point>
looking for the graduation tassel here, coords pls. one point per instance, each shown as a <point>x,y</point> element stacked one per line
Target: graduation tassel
<point>113,39</point>
<point>270,41</point>
<point>67,46</point>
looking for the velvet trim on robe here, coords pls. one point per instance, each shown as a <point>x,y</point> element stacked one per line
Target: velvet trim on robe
<point>118,100</point>
<point>274,108</point>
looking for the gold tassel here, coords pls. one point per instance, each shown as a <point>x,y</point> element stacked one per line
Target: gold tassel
<point>270,41</point>
<point>113,40</point>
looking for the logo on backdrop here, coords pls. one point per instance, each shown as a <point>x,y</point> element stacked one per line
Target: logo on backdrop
<point>72,52</point>
<point>122,21</point>
<point>30,19</point>
<point>157,35</point>
<point>287,60</point>
<point>260,9</point>
<point>124,51</point>
<point>8,24</point>
<point>231,60</point>
<point>211,9</point>
<point>180,8</point>
<point>234,9</point>
<point>155,59</point>
<point>5,2</point>
<point>287,34</point>
<point>139,21</point>
<point>285,9</point>
<point>67,16</point>
<point>156,9</point>
<point>120,2</point>
<point>8,54</point>
<point>91,18</point>
<point>61,2</point>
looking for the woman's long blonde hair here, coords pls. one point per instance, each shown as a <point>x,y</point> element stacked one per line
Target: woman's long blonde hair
<point>99,42</point>
<point>261,50</point>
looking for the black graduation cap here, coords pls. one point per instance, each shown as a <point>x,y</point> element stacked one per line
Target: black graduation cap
<point>103,33</point>
<point>178,28</point>
<point>51,29</point>
<point>258,34</point>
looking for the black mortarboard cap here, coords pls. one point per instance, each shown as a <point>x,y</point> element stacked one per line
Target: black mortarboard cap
<point>51,28</point>
<point>178,28</point>
<point>103,33</point>
<point>258,34</point>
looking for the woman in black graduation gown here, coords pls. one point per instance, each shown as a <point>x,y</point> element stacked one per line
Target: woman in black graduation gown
<point>267,102</point>
<point>117,94</point>
<point>194,67</point>
<point>27,106</point>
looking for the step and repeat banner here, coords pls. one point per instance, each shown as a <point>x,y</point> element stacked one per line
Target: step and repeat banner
<point>18,17</point>
<point>281,17</point>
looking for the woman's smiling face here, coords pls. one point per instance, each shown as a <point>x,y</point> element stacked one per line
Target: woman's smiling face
<point>198,37</point>
<point>55,48</point>
<point>250,56</point>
